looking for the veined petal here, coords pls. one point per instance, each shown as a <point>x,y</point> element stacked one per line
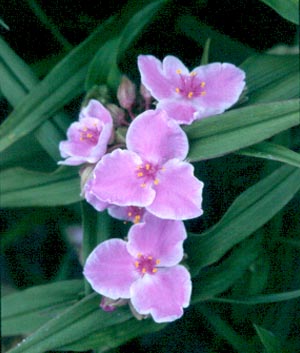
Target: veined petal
<point>178,192</point>
<point>153,78</point>
<point>110,269</point>
<point>173,68</point>
<point>92,199</point>
<point>160,238</point>
<point>180,110</point>
<point>115,180</point>
<point>95,109</point>
<point>224,84</point>
<point>163,295</point>
<point>156,138</point>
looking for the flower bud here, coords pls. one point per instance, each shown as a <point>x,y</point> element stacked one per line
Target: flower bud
<point>126,93</point>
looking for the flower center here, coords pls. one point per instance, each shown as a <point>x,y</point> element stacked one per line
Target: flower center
<point>135,213</point>
<point>147,173</point>
<point>190,85</point>
<point>90,134</point>
<point>146,264</point>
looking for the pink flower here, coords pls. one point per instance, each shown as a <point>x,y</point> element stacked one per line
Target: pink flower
<point>145,269</point>
<point>187,96</point>
<point>129,213</point>
<point>87,138</point>
<point>151,173</point>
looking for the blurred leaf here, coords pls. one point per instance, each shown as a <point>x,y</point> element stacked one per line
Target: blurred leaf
<point>27,310</point>
<point>205,54</point>
<point>223,48</point>
<point>19,79</point>
<point>270,342</point>
<point>216,279</point>
<point>103,67</point>
<point>3,24</point>
<point>85,326</point>
<point>224,329</point>
<point>252,209</point>
<point>288,9</point>
<point>60,86</point>
<point>272,152</point>
<point>238,128</point>
<point>24,188</point>
<point>261,299</point>
<point>271,77</point>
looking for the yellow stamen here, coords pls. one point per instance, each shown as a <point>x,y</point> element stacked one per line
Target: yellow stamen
<point>203,84</point>
<point>89,136</point>
<point>154,270</point>
<point>129,214</point>
<point>143,185</point>
<point>190,95</point>
<point>139,255</point>
<point>147,166</point>
<point>137,218</point>
<point>85,129</point>
<point>163,169</point>
<point>157,261</point>
<point>144,270</point>
<point>177,90</point>
<point>193,73</point>
<point>140,174</point>
<point>156,181</point>
<point>81,139</point>
<point>136,264</point>
<point>203,93</point>
<point>150,257</point>
<point>178,71</point>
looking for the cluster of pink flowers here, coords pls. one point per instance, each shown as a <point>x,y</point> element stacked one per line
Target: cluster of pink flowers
<point>146,179</point>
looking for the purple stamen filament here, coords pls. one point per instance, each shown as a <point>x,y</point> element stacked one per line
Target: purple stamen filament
<point>190,86</point>
<point>146,264</point>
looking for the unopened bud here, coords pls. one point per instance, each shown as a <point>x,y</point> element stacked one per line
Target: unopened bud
<point>117,114</point>
<point>126,93</point>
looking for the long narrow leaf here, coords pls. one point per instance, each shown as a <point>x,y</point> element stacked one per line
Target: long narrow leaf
<point>288,9</point>
<point>252,209</point>
<point>23,188</point>
<point>218,135</point>
<point>270,342</point>
<point>272,152</point>
<point>27,310</point>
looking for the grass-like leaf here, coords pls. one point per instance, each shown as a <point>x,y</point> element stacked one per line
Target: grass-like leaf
<point>25,311</point>
<point>239,128</point>
<point>252,209</point>
<point>272,152</point>
<point>288,9</point>
<point>270,342</point>
<point>23,188</point>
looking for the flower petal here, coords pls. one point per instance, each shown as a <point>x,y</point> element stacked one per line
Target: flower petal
<point>178,192</point>
<point>162,239</point>
<point>163,295</point>
<point>156,138</point>
<point>115,181</point>
<point>92,199</point>
<point>128,213</point>
<point>152,77</point>
<point>95,109</point>
<point>180,110</point>
<point>110,269</point>
<point>224,84</point>
<point>173,68</point>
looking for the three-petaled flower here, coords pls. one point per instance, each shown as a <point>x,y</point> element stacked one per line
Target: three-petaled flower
<point>186,96</point>
<point>88,137</point>
<point>151,173</point>
<point>145,269</point>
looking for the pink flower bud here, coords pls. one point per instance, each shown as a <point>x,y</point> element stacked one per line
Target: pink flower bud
<point>126,93</point>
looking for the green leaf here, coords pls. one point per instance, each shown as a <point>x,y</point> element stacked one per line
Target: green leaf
<point>261,299</point>
<point>233,130</point>
<point>288,9</point>
<point>24,188</point>
<point>60,86</point>
<point>252,209</point>
<point>224,329</point>
<point>27,310</point>
<point>217,279</point>
<point>270,342</point>
<point>272,152</point>
<point>103,67</point>
<point>85,326</point>
<point>271,78</point>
